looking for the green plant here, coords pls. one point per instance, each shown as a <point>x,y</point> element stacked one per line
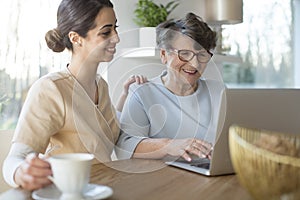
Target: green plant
<point>149,14</point>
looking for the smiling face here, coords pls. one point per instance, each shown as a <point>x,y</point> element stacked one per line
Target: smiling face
<point>100,43</point>
<point>182,72</point>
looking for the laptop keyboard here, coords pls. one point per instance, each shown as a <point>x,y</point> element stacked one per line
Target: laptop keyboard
<point>200,162</point>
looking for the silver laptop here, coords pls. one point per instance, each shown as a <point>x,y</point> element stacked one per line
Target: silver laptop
<point>271,109</point>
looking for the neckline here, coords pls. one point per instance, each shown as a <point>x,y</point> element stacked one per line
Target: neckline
<point>77,82</point>
<point>164,73</point>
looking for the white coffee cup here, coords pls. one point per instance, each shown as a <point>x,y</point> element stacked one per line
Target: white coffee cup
<point>71,173</point>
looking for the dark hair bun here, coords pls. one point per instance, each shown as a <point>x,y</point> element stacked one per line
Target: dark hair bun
<point>54,40</point>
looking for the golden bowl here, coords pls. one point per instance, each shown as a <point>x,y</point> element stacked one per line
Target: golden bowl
<point>267,163</point>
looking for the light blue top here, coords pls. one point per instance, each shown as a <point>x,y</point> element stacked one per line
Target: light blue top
<point>152,111</point>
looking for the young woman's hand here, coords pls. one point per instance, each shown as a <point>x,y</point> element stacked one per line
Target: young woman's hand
<point>33,173</point>
<point>139,79</point>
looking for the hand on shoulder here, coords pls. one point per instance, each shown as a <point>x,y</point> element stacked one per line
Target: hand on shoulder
<point>139,79</point>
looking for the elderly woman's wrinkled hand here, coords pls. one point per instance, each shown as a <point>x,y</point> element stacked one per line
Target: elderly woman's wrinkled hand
<point>189,146</point>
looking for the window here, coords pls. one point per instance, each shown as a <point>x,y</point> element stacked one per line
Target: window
<point>265,42</point>
<point>24,56</point>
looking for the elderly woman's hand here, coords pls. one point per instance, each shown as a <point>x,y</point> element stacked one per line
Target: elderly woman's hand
<point>33,173</point>
<point>186,147</point>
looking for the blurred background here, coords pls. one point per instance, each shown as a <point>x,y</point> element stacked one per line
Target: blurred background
<point>260,51</point>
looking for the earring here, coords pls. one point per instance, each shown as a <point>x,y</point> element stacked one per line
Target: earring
<point>77,43</point>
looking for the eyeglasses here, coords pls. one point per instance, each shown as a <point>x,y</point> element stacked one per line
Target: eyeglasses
<point>187,55</point>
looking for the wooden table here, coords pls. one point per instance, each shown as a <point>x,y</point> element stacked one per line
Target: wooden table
<point>139,179</point>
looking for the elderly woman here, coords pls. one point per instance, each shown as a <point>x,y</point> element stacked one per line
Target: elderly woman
<point>174,114</point>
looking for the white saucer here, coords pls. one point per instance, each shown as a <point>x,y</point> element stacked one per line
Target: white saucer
<point>91,192</point>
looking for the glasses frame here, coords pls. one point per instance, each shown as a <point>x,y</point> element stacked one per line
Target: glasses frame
<point>177,51</point>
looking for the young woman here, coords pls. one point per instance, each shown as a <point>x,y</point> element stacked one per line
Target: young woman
<point>70,110</point>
